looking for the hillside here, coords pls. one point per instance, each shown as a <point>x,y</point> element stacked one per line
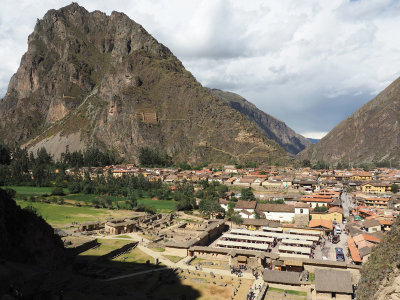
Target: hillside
<point>27,238</point>
<point>371,134</point>
<point>273,128</point>
<point>93,79</point>
<point>380,277</point>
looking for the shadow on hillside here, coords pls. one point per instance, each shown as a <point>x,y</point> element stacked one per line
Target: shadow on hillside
<point>87,279</point>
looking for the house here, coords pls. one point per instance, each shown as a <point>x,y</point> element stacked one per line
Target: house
<point>333,284</point>
<point>359,176</point>
<point>372,226</point>
<point>281,277</point>
<point>272,184</point>
<point>245,208</point>
<point>307,185</point>
<point>277,212</point>
<point>223,203</point>
<point>170,179</point>
<point>386,224</point>
<point>317,200</point>
<point>247,182</point>
<point>325,225</point>
<point>301,214</point>
<point>119,226</point>
<point>258,181</point>
<point>88,226</point>
<point>380,202</point>
<point>376,187</point>
<point>257,224</point>
<point>333,214</point>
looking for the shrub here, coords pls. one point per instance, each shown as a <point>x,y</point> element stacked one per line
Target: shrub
<point>58,191</point>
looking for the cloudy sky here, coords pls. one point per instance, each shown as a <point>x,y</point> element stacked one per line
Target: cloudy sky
<point>309,63</point>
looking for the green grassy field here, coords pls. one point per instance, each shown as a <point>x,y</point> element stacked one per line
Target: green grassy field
<point>31,190</point>
<point>27,191</point>
<point>64,214</point>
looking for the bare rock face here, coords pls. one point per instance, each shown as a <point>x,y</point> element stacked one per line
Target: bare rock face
<point>107,80</point>
<point>273,128</point>
<point>371,134</point>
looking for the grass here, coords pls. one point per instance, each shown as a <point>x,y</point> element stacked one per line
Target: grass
<point>124,236</point>
<point>173,258</point>
<point>312,277</point>
<point>107,245</point>
<point>289,292</point>
<point>136,256</point>
<point>62,214</point>
<point>31,190</point>
<point>158,249</point>
<point>26,191</point>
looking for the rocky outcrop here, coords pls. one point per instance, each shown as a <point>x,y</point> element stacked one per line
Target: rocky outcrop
<point>371,134</point>
<point>107,80</point>
<point>273,128</point>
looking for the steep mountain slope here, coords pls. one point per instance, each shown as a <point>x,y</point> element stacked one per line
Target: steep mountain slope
<point>27,238</point>
<point>92,79</point>
<point>380,277</point>
<point>371,134</point>
<point>272,127</point>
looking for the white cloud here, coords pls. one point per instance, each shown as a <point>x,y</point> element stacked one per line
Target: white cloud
<point>314,134</point>
<point>308,63</point>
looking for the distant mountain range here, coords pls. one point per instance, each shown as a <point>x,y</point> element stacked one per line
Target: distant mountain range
<point>371,134</point>
<point>89,79</point>
<point>313,141</point>
<point>273,128</point>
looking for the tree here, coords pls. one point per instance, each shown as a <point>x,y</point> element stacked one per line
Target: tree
<point>153,158</point>
<point>306,163</point>
<point>210,207</point>
<point>394,188</point>
<point>58,191</point>
<point>5,155</point>
<point>150,210</point>
<point>320,209</point>
<point>131,199</point>
<point>247,194</point>
<point>237,219</point>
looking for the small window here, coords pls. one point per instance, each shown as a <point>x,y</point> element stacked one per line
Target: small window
<point>301,210</point>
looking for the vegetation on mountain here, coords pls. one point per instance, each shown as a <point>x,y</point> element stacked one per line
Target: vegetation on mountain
<point>380,276</point>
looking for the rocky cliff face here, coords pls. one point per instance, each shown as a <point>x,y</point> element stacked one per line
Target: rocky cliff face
<point>371,134</point>
<point>92,79</point>
<point>273,128</point>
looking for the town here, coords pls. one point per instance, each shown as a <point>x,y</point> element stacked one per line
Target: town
<point>302,233</point>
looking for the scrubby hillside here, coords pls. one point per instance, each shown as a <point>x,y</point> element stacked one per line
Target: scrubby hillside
<point>380,276</point>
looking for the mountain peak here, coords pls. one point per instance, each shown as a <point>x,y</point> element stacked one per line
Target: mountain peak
<point>89,79</point>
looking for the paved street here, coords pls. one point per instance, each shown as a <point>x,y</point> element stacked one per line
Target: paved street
<point>328,250</point>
